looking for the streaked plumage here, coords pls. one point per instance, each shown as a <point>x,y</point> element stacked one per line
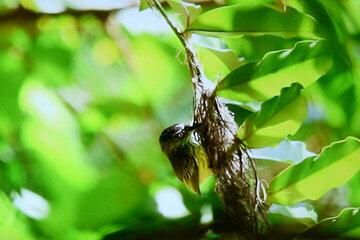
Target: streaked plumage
<point>186,154</point>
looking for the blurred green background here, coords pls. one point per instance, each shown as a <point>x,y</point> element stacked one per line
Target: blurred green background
<point>86,87</point>
<point>84,97</point>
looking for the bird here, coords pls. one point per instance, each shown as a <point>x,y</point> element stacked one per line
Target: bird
<point>187,156</point>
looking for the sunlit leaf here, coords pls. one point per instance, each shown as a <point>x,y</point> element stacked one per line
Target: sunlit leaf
<point>295,4</point>
<point>143,5</point>
<point>303,211</point>
<point>278,117</point>
<point>243,19</point>
<point>188,11</point>
<point>241,112</point>
<point>291,219</point>
<point>352,193</point>
<point>293,151</point>
<point>304,63</point>
<point>253,106</point>
<point>218,63</point>
<point>353,7</point>
<point>315,176</point>
<point>344,226</point>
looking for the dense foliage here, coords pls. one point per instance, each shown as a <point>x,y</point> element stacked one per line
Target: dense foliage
<point>84,97</point>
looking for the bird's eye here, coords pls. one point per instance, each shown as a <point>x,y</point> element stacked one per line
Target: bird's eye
<point>180,134</point>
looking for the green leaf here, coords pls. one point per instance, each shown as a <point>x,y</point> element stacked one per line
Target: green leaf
<point>188,11</point>
<point>253,48</point>
<point>352,190</point>
<point>310,178</point>
<point>253,106</point>
<point>344,226</point>
<point>235,2</point>
<point>285,225</point>
<point>289,220</point>
<point>278,117</point>
<point>218,62</point>
<point>143,5</point>
<point>302,211</point>
<point>243,19</point>
<point>268,169</point>
<point>273,160</point>
<point>305,63</point>
<point>286,151</point>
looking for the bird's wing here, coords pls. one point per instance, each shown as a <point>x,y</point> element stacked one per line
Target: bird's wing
<point>186,169</point>
<point>191,180</point>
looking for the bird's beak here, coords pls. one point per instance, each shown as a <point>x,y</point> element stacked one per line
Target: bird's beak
<point>195,126</point>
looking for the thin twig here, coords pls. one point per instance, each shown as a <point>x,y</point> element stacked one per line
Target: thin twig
<point>190,56</point>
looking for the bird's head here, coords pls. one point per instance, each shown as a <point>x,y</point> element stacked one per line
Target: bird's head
<point>175,136</point>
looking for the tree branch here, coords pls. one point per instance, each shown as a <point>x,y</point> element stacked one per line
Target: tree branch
<point>234,171</point>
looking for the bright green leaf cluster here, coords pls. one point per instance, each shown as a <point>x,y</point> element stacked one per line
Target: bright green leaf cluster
<point>243,18</point>
<point>315,176</point>
<point>278,117</point>
<point>304,63</point>
<point>343,226</point>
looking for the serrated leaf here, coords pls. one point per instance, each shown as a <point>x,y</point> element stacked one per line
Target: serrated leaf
<point>344,226</point>
<point>278,117</point>
<point>243,19</point>
<point>315,176</point>
<point>305,63</point>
